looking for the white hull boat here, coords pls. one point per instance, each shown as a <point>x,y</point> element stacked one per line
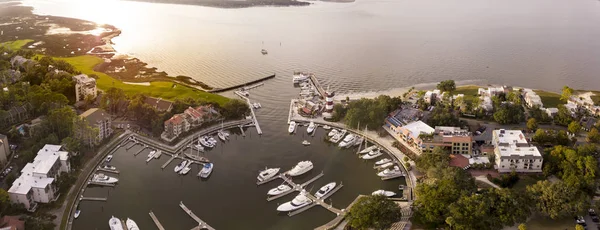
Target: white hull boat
<point>338,137</point>
<point>212,141</point>
<point>372,155</point>
<point>267,174</point>
<point>348,141</point>
<point>369,149</point>
<point>109,167</point>
<point>358,141</point>
<point>115,224</point>
<point>390,172</point>
<point>109,158</point>
<point>311,127</point>
<point>292,127</point>
<point>186,169</point>
<point>301,168</point>
<point>204,140</point>
<point>151,154</point>
<point>180,166</point>
<point>101,178</point>
<point>386,165</point>
<point>77,213</point>
<point>383,161</point>
<point>279,190</point>
<point>326,127</point>
<point>333,132</point>
<point>298,202</point>
<point>382,192</point>
<point>221,135</point>
<point>131,225</point>
<point>325,190</point>
<point>206,170</point>
<point>305,143</point>
<point>157,155</point>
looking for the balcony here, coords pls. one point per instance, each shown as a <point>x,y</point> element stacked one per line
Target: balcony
<point>32,207</point>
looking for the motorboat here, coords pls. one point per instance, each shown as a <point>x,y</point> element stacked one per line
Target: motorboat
<point>221,135</point>
<point>368,149</point>
<point>151,154</point>
<point>338,137</point>
<point>206,170</point>
<point>292,127</point>
<point>204,140</point>
<point>382,192</point>
<point>186,169</point>
<point>390,172</point>
<point>279,190</point>
<point>305,143</point>
<point>301,168</point>
<point>326,127</point>
<point>386,165</point>
<point>109,167</point>
<point>102,178</point>
<point>267,174</point>
<point>180,166</point>
<point>358,140</point>
<point>372,155</point>
<point>383,161</point>
<point>299,77</point>
<point>311,127</point>
<point>348,141</point>
<point>333,132</point>
<point>298,202</point>
<point>401,187</point>
<point>325,190</point>
<point>212,141</point>
<point>198,147</point>
<point>109,158</point>
<point>131,225</point>
<point>77,213</point>
<point>115,224</point>
<point>264,52</point>
<point>157,155</point>
<point>256,105</point>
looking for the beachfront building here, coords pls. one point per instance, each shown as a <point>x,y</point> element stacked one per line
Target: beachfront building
<point>84,86</point>
<point>492,91</point>
<point>514,153</point>
<point>405,126</point>
<point>455,139</point>
<point>532,99</point>
<point>433,96</point>
<point>37,181</point>
<point>190,118</point>
<point>101,123</point>
<point>177,125</point>
<point>4,149</point>
<point>486,103</point>
<point>551,111</point>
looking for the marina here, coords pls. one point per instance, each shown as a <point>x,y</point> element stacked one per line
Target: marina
<point>201,224</point>
<point>295,187</point>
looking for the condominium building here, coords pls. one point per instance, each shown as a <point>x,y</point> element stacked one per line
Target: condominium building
<point>514,153</point>
<point>532,99</point>
<point>455,139</point>
<point>191,117</point>
<point>177,125</point>
<point>404,125</point>
<point>36,183</point>
<point>101,121</point>
<point>84,86</point>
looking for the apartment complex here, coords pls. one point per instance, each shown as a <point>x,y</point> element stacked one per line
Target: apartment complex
<point>404,125</point>
<point>84,86</point>
<point>455,139</point>
<point>36,183</point>
<point>101,121</point>
<point>532,99</point>
<point>4,149</point>
<point>514,153</point>
<point>191,117</point>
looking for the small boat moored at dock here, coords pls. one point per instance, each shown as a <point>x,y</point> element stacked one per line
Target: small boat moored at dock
<point>339,136</point>
<point>267,174</point>
<point>326,127</point>
<point>301,168</point>
<point>279,190</point>
<point>102,178</point>
<point>368,149</point>
<point>151,154</point>
<point>325,190</point>
<point>180,166</point>
<point>372,155</point>
<point>131,225</point>
<point>333,132</point>
<point>186,169</point>
<point>311,127</point>
<point>299,77</point>
<point>109,167</point>
<point>109,158</point>
<point>298,202</point>
<point>390,172</point>
<point>383,161</point>
<point>292,127</point>
<point>348,141</point>
<point>77,213</point>
<point>386,165</point>
<point>382,192</point>
<point>206,170</point>
<point>115,224</point>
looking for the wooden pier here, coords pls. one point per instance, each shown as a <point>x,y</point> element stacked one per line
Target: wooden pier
<point>158,224</point>
<point>317,85</point>
<point>392,177</point>
<point>168,161</point>
<point>251,111</point>
<point>108,170</point>
<point>93,198</point>
<point>138,152</point>
<point>201,224</point>
<point>295,187</point>
<point>242,130</point>
<point>316,201</point>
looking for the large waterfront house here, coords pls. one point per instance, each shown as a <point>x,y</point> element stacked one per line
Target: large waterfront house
<point>405,126</point>
<point>513,152</point>
<point>455,139</point>
<point>190,118</point>
<point>84,86</point>
<point>100,121</point>
<point>36,184</point>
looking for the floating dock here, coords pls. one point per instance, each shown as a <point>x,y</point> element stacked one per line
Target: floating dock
<point>101,184</point>
<point>392,177</point>
<point>168,161</point>
<point>242,130</point>
<point>201,224</point>
<point>218,90</point>
<point>158,224</point>
<point>93,198</point>
<point>131,146</point>
<point>138,152</point>
<point>252,112</point>
<point>108,170</point>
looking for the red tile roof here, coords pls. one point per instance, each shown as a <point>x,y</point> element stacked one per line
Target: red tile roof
<point>458,161</point>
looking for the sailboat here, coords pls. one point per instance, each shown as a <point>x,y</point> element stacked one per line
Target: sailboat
<point>222,134</point>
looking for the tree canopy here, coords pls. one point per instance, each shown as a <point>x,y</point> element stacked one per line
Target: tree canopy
<point>370,112</point>
<point>446,86</point>
<point>557,200</point>
<point>574,127</point>
<point>593,136</point>
<point>566,93</point>
<point>532,124</point>
<point>373,212</point>
<point>443,115</point>
<point>509,114</point>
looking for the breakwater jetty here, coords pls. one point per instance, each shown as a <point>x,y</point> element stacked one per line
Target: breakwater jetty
<point>219,90</point>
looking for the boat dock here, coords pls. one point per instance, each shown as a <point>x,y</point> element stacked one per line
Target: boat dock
<point>392,177</point>
<point>131,146</point>
<point>201,224</point>
<point>252,112</point>
<point>321,202</point>
<point>101,184</point>
<point>93,198</point>
<point>295,187</point>
<point>242,130</point>
<point>317,85</point>
<point>138,152</point>
<point>218,90</point>
<point>108,170</point>
<point>158,224</point>
<point>168,161</point>
<point>246,88</point>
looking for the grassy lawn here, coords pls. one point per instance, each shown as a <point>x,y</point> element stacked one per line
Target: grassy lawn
<point>161,89</point>
<point>470,91</point>
<point>525,180</point>
<point>596,99</point>
<point>15,45</point>
<point>550,99</point>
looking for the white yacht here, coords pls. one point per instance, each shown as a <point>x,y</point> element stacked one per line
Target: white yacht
<point>298,202</point>
<point>157,155</point>
<point>131,225</point>
<point>115,224</point>
<point>358,140</point>
<point>212,141</point>
<point>390,172</point>
<point>325,190</point>
<point>368,149</point>
<point>221,135</point>
<point>372,155</point>
<point>292,127</point>
<point>267,174</point>
<point>256,105</point>
<point>109,158</point>
<point>326,127</point>
<point>109,167</point>
<point>206,170</point>
<point>382,192</point>
<point>186,169</point>
<point>348,141</point>
<point>311,127</point>
<point>299,77</point>
<point>338,137</point>
<point>180,166</point>
<point>279,190</point>
<point>301,168</point>
<point>151,154</point>
<point>77,213</point>
<point>101,178</point>
<point>204,140</point>
<point>383,161</point>
<point>386,165</point>
<point>333,132</point>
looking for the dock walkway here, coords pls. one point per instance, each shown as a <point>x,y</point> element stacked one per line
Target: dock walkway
<point>295,187</point>
<point>93,198</point>
<point>251,111</point>
<point>201,223</point>
<point>108,170</point>
<point>158,224</point>
<point>168,161</point>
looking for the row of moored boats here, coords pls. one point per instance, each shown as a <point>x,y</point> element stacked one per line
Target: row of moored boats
<point>184,168</point>
<point>116,224</point>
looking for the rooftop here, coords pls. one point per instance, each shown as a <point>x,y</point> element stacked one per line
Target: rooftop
<point>41,165</point>
<point>513,143</point>
<point>94,115</point>
<point>82,78</point>
<point>158,103</point>
<point>418,127</point>
<point>404,116</point>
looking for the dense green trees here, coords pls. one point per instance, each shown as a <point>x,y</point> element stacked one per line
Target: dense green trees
<point>532,124</point>
<point>576,167</point>
<point>112,99</point>
<point>446,86</point>
<point>235,109</point>
<point>370,112</point>
<point>540,115</point>
<point>593,136</point>
<point>563,117</point>
<point>566,93</point>
<point>373,212</point>
<point>551,137</point>
<point>557,199</point>
<point>509,114</point>
<point>574,127</point>
<point>443,115</point>
<point>436,158</point>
